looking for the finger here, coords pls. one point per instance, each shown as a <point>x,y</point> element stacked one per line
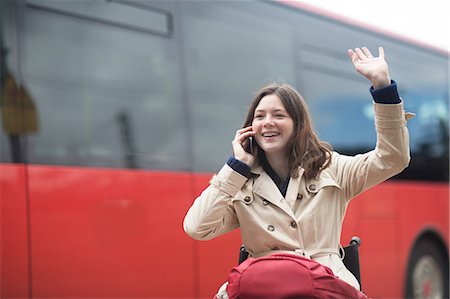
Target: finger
<point>243,130</point>
<point>352,55</point>
<point>381,52</point>
<point>245,136</point>
<point>361,54</point>
<point>367,52</point>
<point>241,138</point>
<point>240,131</point>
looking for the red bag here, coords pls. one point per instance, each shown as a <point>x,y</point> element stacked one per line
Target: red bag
<point>286,276</point>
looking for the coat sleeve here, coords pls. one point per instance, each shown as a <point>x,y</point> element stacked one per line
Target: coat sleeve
<point>390,156</point>
<point>212,213</point>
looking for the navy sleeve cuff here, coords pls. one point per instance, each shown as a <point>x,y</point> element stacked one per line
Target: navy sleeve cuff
<point>386,95</point>
<point>239,166</point>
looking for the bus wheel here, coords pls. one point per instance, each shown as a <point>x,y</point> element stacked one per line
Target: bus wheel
<point>427,272</point>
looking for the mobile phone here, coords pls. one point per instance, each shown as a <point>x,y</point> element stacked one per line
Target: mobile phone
<point>250,145</point>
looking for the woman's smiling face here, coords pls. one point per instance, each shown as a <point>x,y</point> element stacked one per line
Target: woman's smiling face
<point>273,125</point>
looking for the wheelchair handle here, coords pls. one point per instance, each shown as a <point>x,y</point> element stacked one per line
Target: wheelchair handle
<point>355,240</point>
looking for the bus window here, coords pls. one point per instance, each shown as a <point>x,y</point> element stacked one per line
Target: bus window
<point>17,111</point>
<point>223,76</point>
<point>106,94</point>
<point>345,120</point>
<point>429,134</point>
<point>336,113</point>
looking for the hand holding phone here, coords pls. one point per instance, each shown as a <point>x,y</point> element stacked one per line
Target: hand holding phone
<point>244,145</point>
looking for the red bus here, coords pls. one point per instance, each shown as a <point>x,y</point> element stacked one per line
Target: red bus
<point>115,114</point>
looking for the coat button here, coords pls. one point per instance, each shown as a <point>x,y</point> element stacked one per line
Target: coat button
<point>247,199</point>
<point>265,202</point>
<point>312,187</point>
<point>271,228</point>
<point>293,224</point>
<point>299,196</point>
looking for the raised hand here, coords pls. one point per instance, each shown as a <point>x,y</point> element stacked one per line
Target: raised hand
<point>373,68</point>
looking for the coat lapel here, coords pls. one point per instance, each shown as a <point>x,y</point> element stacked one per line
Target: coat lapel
<point>292,190</point>
<point>265,187</point>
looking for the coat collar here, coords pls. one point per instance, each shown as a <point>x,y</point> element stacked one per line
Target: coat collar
<point>257,169</point>
<point>265,187</point>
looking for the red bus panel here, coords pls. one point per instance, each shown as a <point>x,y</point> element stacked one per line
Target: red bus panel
<point>109,233</point>
<point>14,232</point>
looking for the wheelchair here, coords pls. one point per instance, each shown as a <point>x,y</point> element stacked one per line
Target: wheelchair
<point>351,257</point>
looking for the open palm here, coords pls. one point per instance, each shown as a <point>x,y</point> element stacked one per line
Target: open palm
<point>373,68</point>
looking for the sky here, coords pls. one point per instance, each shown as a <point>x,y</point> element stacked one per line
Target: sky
<point>426,21</point>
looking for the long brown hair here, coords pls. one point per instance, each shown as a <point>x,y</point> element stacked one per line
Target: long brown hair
<point>304,149</point>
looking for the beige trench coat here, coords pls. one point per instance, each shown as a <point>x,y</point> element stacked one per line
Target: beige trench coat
<point>308,221</point>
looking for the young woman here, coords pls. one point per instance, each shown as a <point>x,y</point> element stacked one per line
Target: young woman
<point>290,192</point>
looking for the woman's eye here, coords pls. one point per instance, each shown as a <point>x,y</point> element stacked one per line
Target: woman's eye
<point>279,115</point>
<point>258,116</point>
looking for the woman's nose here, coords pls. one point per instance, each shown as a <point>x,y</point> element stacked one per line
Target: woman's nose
<point>268,122</point>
